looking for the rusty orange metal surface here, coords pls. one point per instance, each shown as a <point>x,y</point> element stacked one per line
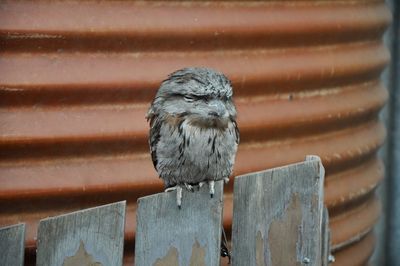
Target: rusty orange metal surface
<point>76,79</point>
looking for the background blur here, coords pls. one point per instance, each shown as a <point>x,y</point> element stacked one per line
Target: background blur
<point>309,77</point>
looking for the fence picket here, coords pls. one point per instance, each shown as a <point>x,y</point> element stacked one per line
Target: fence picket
<point>12,245</point>
<point>277,215</point>
<point>93,236</point>
<point>191,235</point>
<point>278,219</point>
<point>325,241</point>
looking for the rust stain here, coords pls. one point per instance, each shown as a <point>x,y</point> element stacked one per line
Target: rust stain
<point>81,258</point>
<point>75,83</point>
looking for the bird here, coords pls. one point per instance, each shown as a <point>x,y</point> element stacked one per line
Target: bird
<point>193,134</point>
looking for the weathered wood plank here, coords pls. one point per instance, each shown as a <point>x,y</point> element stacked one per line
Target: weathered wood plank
<point>88,237</point>
<point>325,241</point>
<point>278,215</point>
<point>191,235</point>
<point>12,245</point>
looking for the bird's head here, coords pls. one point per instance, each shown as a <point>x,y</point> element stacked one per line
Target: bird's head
<point>202,96</point>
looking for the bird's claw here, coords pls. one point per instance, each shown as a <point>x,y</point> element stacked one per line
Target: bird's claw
<point>170,189</point>
<point>179,188</point>
<point>226,180</point>
<point>201,184</point>
<point>189,187</point>
<point>178,194</point>
<point>211,184</point>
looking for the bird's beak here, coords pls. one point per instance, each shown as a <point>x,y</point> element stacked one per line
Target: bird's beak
<point>217,109</point>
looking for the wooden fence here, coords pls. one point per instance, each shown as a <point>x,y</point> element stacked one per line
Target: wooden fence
<point>278,219</point>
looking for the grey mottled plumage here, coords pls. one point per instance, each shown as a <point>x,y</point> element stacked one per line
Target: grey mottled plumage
<point>193,130</point>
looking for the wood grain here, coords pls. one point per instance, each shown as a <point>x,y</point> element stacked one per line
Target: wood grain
<point>191,235</point>
<point>278,215</point>
<point>12,245</point>
<point>88,237</point>
<point>325,241</point>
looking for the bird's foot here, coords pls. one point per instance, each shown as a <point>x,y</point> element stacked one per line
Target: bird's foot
<point>211,185</point>
<point>189,187</point>
<point>178,194</point>
<point>170,189</point>
<point>200,185</point>
<point>226,180</point>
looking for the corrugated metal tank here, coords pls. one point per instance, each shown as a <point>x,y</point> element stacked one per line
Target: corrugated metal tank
<point>76,80</point>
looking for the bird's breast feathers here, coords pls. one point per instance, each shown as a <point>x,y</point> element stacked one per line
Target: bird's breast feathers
<point>187,151</point>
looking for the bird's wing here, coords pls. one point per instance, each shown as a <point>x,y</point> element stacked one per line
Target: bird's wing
<point>237,133</point>
<point>155,127</point>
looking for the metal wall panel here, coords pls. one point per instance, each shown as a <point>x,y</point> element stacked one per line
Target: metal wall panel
<point>391,246</point>
<point>76,79</point>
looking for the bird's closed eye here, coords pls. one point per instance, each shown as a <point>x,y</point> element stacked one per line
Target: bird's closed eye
<point>189,98</point>
<point>192,98</point>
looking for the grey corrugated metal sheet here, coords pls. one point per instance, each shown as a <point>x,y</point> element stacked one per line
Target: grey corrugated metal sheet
<point>76,79</point>
<point>391,246</point>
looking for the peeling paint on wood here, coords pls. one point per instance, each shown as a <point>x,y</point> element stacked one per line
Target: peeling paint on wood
<point>89,237</point>
<point>282,235</point>
<point>198,255</point>
<point>260,261</point>
<point>81,258</point>
<point>167,235</point>
<point>170,259</point>
<point>280,212</point>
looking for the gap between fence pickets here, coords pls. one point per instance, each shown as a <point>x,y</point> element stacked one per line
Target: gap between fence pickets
<point>167,235</point>
<point>12,244</point>
<point>278,216</point>
<point>93,236</point>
